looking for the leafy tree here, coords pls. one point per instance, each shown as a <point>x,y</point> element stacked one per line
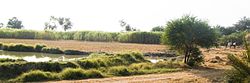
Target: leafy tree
<point>127,26</point>
<point>158,28</point>
<point>1,25</point>
<point>65,23</point>
<point>186,34</point>
<point>14,23</point>
<point>51,25</point>
<point>243,24</point>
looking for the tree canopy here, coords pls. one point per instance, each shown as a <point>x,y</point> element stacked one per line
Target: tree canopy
<point>14,23</point>
<point>53,23</point>
<point>188,32</point>
<point>158,28</point>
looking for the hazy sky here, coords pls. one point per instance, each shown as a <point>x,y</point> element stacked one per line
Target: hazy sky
<point>104,15</point>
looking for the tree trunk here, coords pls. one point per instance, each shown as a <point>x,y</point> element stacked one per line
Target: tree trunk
<point>186,54</point>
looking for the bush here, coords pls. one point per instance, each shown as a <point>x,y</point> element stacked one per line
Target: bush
<point>10,60</point>
<point>94,74</point>
<point>36,75</point>
<point>1,46</point>
<point>13,69</point>
<point>38,48</point>
<point>73,74</point>
<point>19,48</point>
<point>75,52</point>
<point>52,50</point>
<point>120,71</point>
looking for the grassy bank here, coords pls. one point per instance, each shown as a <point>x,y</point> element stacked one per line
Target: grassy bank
<point>19,47</point>
<point>127,37</point>
<point>95,66</point>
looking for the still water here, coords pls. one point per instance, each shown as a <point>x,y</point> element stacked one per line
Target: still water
<point>39,57</point>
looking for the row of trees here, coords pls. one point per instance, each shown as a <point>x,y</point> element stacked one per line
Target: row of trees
<point>52,24</point>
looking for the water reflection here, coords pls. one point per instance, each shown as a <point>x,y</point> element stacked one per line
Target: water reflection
<point>39,57</point>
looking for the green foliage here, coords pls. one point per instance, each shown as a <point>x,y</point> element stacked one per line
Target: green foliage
<point>38,47</point>
<point>158,28</point>
<point>73,74</point>
<point>120,71</point>
<point>13,69</point>
<point>19,48</point>
<point>241,71</point>
<point>14,23</point>
<point>36,75</point>
<point>196,58</point>
<point>1,46</point>
<point>94,73</point>
<point>75,52</point>
<point>140,37</point>
<point>52,50</point>
<point>127,37</point>
<point>234,37</point>
<point>2,60</point>
<point>187,33</point>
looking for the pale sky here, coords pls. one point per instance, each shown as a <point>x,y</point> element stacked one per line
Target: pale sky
<point>104,15</point>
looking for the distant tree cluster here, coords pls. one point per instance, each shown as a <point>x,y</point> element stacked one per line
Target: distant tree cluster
<point>158,29</point>
<point>127,26</point>
<point>53,23</point>
<point>13,23</point>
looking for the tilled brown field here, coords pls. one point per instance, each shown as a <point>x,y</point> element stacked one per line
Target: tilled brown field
<point>91,46</point>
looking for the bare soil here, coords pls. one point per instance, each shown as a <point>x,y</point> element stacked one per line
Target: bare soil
<point>91,46</point>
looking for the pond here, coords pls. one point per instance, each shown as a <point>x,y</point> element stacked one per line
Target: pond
<point>39,57</point>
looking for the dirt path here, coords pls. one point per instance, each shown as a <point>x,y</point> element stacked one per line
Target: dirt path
<point>211,72</point>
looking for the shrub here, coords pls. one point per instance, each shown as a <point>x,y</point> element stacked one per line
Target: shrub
<point>73,74</point>
<point>91,63</point>
<point>120,71</point>
<point>36,75</point>
<point>167,64</point>
<point>1,46</point>
<point>140,66</point>
<point>75,52</point>
<point>94,74</point>
<point>52,50</point>
<point>38,48</point>
<point>10,60</point>
<point>13,69</point>
<point>19,48</point>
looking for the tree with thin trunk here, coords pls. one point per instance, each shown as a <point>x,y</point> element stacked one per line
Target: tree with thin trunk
<point>187,34</point>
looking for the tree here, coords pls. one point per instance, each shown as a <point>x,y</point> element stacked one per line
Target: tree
<point>186,34</point>
<point>14,23</point>
<point>1,25</point>
<point>51,25</point>
<point>158,28</point>
<point>243,24</point>
<point>65,23</point>
<point>127,26</point>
